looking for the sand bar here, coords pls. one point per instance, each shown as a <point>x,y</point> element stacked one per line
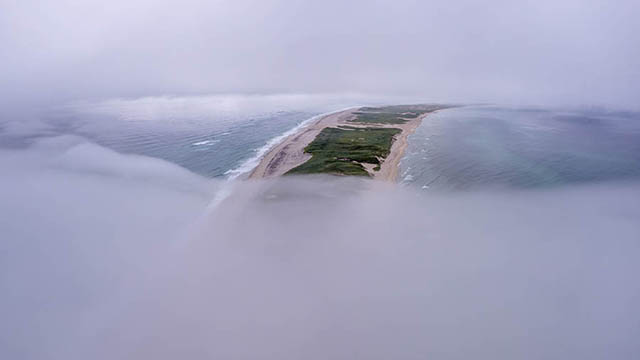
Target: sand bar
<point>290,152</point>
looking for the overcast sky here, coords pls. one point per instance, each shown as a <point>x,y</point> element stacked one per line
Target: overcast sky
<point>546,51</point>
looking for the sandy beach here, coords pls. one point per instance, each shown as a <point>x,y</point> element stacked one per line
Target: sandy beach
<point>290,152</point>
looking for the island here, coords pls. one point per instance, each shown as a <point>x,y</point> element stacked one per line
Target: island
<point>364,141</point>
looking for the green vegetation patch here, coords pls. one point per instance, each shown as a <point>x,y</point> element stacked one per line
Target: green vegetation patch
<point>378,118</point>
<point>394,114</point>
<point>344,149</point>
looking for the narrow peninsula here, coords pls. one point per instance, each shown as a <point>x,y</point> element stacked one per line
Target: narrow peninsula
<point>364,141</point>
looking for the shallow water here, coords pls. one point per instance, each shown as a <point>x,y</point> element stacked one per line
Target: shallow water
<point>489,146</point>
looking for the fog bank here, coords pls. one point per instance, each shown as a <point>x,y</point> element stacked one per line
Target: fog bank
<point>111,256</point>
<point>572,52</point>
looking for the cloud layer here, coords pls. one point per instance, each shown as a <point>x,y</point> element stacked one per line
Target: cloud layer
<point>549,52</point>
<point>111,256</point>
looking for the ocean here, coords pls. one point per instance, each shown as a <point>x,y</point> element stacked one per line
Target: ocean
<point>456,149</point>
<point>504,147</point>
<point>159,254</point>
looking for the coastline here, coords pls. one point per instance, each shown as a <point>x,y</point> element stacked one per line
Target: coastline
<point>289,153</point>
<point>390,168</point>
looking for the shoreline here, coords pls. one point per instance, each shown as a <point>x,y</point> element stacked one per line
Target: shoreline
<point>289,153</point>
<point>390,168</point>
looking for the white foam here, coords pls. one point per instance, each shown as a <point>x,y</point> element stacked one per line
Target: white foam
<point>205,142</point>
<point>249,164</point>
<point>223,192</point>
<point>246,166</point>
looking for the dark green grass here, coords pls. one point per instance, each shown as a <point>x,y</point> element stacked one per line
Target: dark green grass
<point>378,118</point>
<point>343,150</point>
<point>405,108</point>
<point>394,114</point>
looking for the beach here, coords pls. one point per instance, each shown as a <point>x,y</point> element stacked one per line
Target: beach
<point>290,152</point>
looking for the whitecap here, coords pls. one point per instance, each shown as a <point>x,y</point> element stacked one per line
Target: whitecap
<point>205,142</point>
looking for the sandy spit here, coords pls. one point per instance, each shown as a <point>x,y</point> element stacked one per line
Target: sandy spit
<point>290,152</point>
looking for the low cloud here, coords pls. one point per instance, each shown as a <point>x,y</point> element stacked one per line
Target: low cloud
<point>98,261</point>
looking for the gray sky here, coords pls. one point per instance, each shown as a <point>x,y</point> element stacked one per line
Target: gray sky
<point>557,52</point>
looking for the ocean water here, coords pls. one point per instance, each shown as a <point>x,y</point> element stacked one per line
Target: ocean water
<point>501,147</point>
<point>213,146</point>
<point>216,137</point>
<point>456,149</point>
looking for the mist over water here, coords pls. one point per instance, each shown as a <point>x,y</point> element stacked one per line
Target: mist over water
<point>214,136</point>
<point>125,236</point>
<point>469,147</point>
<point>106,255</point>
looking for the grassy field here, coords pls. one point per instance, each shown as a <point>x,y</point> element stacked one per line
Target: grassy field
<point>395,114</point>
<point>378,118</point>
<point>344,149</point>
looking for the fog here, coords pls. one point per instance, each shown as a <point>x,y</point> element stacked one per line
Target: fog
<point>570,52</point>
<point>105,255</point>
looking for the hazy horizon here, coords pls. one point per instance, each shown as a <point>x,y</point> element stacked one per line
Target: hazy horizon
<point>568,53</point>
